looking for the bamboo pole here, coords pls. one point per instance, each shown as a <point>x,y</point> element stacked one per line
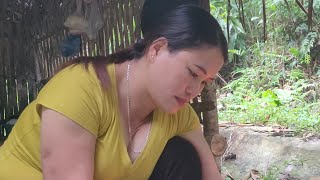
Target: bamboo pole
<point>116,28</point>
<point>2,65</point>
<point>130,21</point>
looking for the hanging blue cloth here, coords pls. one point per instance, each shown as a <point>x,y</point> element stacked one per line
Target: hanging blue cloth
<point>71,45</point>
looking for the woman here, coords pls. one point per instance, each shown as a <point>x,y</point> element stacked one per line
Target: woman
<point>125,116</point>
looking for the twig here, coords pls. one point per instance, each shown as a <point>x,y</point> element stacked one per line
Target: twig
<point>229,143</point>
<point>220,77</point>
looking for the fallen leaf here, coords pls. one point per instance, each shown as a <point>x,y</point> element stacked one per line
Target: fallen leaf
<point>255,175</point>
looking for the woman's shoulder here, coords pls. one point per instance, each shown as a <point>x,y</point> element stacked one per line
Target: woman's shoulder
<point>82,74</point>
<point>79,80</point>
<point>84,70</point>
<point>76,93</point>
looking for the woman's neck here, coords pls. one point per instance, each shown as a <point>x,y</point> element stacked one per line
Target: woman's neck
<point>141,104</point>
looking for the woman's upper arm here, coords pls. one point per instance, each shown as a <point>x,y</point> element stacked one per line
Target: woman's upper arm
<point>209,167</point>
<point>67,149</point>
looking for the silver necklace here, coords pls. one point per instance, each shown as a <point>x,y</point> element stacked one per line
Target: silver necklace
<point>128,101</point>
<point>129,120</point>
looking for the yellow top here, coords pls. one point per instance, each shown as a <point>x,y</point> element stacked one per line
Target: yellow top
<point>76,93</point>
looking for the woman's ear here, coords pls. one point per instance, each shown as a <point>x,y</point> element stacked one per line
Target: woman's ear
<point>157,47</point>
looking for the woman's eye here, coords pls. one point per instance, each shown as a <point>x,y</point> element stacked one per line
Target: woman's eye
<point>193,74</point>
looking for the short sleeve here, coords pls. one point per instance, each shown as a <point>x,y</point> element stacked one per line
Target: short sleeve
<point>75,93</point>
<point>187,120</point>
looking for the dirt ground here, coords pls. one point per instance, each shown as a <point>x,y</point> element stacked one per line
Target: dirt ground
<point>269,152</point>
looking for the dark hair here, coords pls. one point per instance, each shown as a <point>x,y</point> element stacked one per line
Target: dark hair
<point>188,26</point>
<point>184,26</point>
<point>153,9</point>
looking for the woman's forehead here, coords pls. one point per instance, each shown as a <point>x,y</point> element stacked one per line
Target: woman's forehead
<point>203,55</point>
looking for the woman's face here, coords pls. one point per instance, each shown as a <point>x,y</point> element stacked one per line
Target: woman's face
<point>173,79</point>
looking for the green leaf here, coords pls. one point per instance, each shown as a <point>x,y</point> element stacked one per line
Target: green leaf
<point>295,52</point>
<point>296,74</point>
<point>306,60</point>
<point>284,95</point>
<point>271,98</point>
<point>254,18</point>
<point>236,23</point>
<point>236,51</point>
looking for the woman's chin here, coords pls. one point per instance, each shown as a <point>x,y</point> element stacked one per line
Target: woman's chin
<point>171,110</point>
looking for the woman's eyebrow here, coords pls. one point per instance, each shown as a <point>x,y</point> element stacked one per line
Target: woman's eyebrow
<point>203,70</point>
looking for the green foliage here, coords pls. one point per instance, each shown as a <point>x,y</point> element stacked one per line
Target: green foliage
<point>248,102</point>
<point>303,54</point>
<point>256,95</point>
<point>236,40</point>
<point>271,83</point>
<point>307,44</point>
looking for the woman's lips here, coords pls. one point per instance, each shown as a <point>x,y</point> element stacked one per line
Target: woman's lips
<point>181,101</point>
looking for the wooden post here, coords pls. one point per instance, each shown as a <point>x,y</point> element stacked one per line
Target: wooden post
<point>210,118</point>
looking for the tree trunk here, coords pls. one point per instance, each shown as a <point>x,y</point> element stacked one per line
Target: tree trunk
<point>210,118</point>
<point>301,6</point>
<point>242,14</point>
<point>208,95</point>
<point>264,20</point>
<point>228,19</point>
<point>310,10</point>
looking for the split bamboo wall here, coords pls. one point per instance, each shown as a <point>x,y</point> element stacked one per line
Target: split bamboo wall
<point>30,36</point>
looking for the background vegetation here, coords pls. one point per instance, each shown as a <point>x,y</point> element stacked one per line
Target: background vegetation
<point>273,78</point>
